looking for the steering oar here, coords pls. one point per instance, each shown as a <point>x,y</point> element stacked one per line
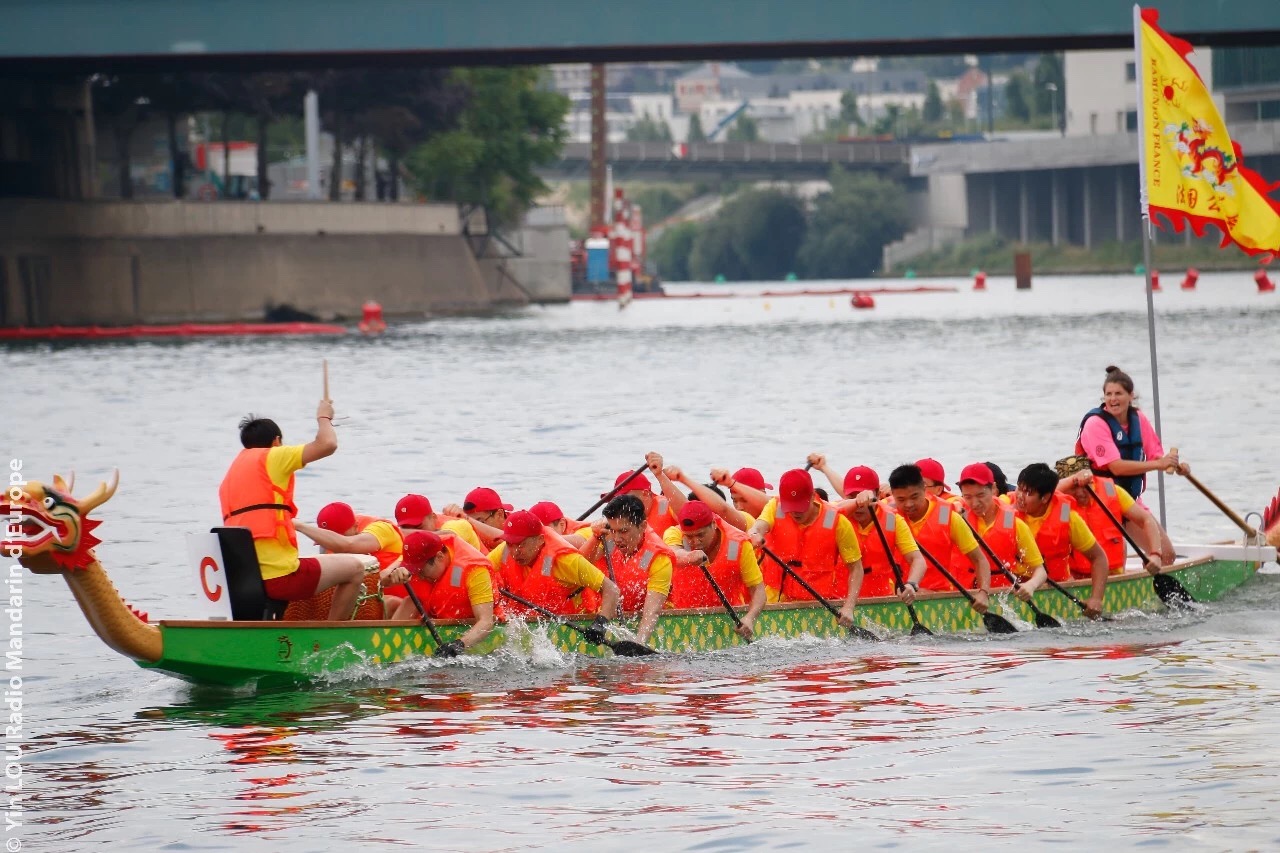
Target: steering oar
<point>1169,588</point>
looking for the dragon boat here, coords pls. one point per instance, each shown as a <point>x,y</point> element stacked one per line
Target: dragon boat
<point>49,531</point>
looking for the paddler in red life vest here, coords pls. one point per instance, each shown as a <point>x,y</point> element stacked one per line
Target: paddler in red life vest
<point>453,581</point>
<point>537,564</point>
<point>413,512</point>
<point>339,530</point>
<point>702,537</point>
<point>814,539</point>
<point>627,549</point>
<point>940,531</point>
<point>1076,478</point>
<point>861,485</point>
<point>1005,534</point>
<point>1060,531</point>
<point>657,510</point>
<point>485,511</point>
<point>257,493</point>
<point>746,488</point>
<point>550,514</point>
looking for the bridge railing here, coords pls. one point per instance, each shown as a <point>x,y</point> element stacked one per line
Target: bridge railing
<point>861,153</point>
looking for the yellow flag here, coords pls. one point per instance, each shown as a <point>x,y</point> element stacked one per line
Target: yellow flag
<point>1192,172</point>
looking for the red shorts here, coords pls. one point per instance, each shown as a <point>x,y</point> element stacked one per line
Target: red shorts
<point>296,585</point>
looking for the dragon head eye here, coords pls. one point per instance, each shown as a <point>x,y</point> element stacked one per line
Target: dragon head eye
<point>50,502</point>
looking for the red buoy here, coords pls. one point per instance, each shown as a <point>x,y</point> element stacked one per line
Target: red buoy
<point>1265,285</point>
<point>980,281</point>
<point>862,300</point>
<point>1155,281</point>
<point>1193,275</point>
<point>371,322</point>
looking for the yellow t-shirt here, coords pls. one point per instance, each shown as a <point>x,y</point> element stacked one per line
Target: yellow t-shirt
<point>276,557</point>
<point>479,588</point>
<point>388,536</point>
<point>572,570</point>
<point>1029,558</point>
<point>463,530</point>
<point>1081,536</point>
<point>846,539</point>
<point>1125,500</point>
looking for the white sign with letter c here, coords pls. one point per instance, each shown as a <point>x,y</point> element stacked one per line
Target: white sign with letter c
<point>204,555</point>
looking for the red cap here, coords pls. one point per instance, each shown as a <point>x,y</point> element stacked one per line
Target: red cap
<point>860,479</point>
<point>695,515</point>
<point>931,469</point>
<point>520,526</point>
<point>420,546</point>
<point>483,500</point>
<point>338,517</point>
<point>547,512</point>
<point>412,510</point>
<point>638,483</point>
<point>795,491</point>
<point>751,477</point>
<point>978,473</point>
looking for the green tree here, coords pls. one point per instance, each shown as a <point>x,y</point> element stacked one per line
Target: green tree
<point>696,133</point>
<point>713,253</point>
<point>851,224</point>
<point>744,129</point>
<point>933,108</point>
<point>1017,97</point>
<point>887,123</point>
<point>1050,87</point>
<point>649,130</point>
<point>507,129</point>
<point>849,109</point>
<point>671,251</point>
<point>766,228</point>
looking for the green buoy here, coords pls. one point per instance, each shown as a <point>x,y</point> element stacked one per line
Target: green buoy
<point>791,276</point>
<point>910,273</point>
<point>719,279</point>
<point>1139,270</point>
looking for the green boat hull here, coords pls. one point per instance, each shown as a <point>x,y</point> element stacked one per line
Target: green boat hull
<point>268,653</point>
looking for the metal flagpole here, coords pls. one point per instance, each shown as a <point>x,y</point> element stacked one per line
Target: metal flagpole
<point>1146,238</point>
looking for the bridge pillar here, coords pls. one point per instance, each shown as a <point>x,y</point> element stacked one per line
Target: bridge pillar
<point>993,210</point>
<point>1086,206</point>
<point>46,140</point>
<point>1119,204</point>
<point>1056,201</point>
<point>1024,210</point>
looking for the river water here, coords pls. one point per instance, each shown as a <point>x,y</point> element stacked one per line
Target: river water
<point>1157,731</point>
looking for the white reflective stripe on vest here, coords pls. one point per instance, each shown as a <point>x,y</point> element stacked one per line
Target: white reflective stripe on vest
<point>944,513</point>
<point>645,559</point>
<point>829,520</point>
<point>890,519</point>
<point>455,576</point>
<point>1006,519</point>
<point>546,566</point>
<point>1110,488</point>
<point>731,551</point>
<point>1066,511</point>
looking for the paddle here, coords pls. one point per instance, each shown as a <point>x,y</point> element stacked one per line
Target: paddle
<point>1248,529</point>
<point>622,648</point>
<point>609,495</point>
<point>1043,620</point>
<point>995,623</point>
<point>426,620</point>
<point>1169,588</point>
<point>325,363</point>
<point>916,627</point>
<point>856,630</point>
<point>724,599</point>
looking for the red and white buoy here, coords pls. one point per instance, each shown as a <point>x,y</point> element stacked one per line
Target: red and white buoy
<point>371,322</point>
<point>1265,284</point>
<point>1193,275</point>
<point>862,300</point>
<point>980,280</point>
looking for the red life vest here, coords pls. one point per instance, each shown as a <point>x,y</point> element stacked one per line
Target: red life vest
<point>631,574</point>
<point>1054,537</point>
<point>933,535</point>
<point>448,597</point>
<point>249,499</point>
<point>811,551</point>
<point>689,587</point>
<point>1107,534</point>
<point>877,577</point>
<point>660,519</point>
<point>536,582</point>
<point>1002,538</point>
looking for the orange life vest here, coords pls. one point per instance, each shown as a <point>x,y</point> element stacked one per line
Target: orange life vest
<point>1054,538</point>
<point>811,551</point>
<point>689,586</point>
<point>1107,534</point>
<point>933,535</point>
<point>1002,538</point>
<point>536,582</point>
<point>249,499</point>
<point>448,598</point>
<point>631,574</point>
<point>456,544</point>
<point>660,519</point>
<point>877,577</point>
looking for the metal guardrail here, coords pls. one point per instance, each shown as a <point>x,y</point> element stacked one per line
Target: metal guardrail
<point>867,153</point>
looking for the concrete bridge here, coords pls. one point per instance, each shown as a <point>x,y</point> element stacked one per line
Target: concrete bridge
<point>745,160</point>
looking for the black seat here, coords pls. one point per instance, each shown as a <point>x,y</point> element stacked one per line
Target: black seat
<point>249,599</point>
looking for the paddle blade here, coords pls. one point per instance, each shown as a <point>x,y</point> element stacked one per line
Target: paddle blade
<point>997,624</point>
<point>630,649</point>
<point>1171,591</point>
<point>918,630</point>
<point>1044,620</point>
<point>862,633</point>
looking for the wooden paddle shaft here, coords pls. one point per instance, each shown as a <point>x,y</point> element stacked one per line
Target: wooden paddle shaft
<point>1248,529</point>
<point>325,365</point>
<point>610,494</point>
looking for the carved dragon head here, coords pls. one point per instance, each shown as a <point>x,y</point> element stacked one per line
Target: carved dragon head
<point>1271,522</point>
<point>47,529</point>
